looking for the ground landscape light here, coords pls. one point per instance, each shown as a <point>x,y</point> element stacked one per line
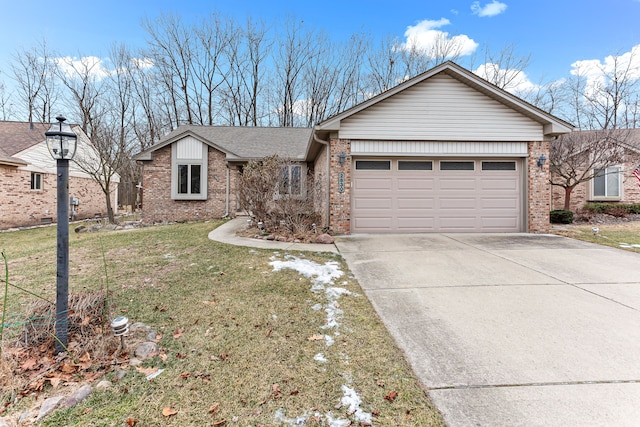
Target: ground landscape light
<point>120,327</point>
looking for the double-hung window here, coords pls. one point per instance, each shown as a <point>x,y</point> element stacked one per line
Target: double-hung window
<point>291,181</point>
<point>606,184</point>
<point>36,181</point>
<point>189,170</point>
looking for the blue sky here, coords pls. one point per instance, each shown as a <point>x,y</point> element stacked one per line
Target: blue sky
<point>556,33</point>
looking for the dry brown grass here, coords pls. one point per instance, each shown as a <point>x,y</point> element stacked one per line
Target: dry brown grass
<point>620,235</point>
<point>237,338</point>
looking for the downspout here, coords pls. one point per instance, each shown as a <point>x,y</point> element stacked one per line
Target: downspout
<point>326,143</point>
<point>227,193</point>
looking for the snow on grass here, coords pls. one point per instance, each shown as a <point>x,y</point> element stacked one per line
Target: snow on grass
<point>352,399</point>
<point>323,277</point>
<point>320,358</point>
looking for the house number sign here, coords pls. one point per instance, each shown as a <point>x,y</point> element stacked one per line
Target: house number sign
<point>341,182</point>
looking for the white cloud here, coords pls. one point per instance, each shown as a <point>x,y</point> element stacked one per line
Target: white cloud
<point>597,72</point>
<point>143,63</point>
<point>91,65</point>
<point>427,37</point>
<point>490,9</point>
<point>511,80</point>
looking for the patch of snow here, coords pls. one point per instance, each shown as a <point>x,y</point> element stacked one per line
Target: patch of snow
<point>333,422</point>
<point>322,274</point>
<point>352,399</point>
<point>298,421</point>
<point>320,358</point>
<point>328,340</point>
<point>317,307</point>
<point>629,245</point>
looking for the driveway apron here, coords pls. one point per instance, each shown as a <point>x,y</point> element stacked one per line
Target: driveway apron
<point>510,329</point>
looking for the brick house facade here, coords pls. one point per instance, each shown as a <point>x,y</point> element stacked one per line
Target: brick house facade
<point>444,151</point>
<point>159,206</point>
<point>28,193</point>
<point>622,187</point>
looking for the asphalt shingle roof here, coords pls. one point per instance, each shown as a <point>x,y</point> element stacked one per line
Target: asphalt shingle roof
<point>18,136</point>
<point>250,142</point>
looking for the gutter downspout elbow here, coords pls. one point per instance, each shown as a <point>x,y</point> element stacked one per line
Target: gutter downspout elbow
<point>328,145</point>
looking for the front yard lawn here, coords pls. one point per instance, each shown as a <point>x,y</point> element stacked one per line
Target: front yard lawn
<point>249,337</point>
<point>625,235</point>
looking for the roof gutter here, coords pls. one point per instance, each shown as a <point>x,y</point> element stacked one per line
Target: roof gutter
<point>328,145</point>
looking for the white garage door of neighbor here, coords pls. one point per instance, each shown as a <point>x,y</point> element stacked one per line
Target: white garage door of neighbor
<point>425,195</point>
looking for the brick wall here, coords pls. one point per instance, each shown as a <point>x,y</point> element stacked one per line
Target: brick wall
<point>157,204</point>
<point>321,182</point>
<point>581,193</point>
<point>539,189</point>
<point>340,202</point>
<point>20,206</point>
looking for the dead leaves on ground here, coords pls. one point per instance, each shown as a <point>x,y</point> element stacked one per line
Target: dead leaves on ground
<point>391,396</point>
<point>168,411</point>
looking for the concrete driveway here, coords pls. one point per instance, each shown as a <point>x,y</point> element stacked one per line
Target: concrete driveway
<point>510,330</point>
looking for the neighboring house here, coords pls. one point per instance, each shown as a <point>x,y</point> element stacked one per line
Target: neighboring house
<point>445,151</point>
<point>615,184</point>
<point>28,191</point>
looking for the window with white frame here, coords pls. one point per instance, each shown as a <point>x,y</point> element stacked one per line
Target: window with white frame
<point>606,183</point>
<point>36,181</point>
<point>189,170</point>
<point>291,181</point>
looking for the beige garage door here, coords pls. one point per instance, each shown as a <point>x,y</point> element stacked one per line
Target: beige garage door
<point>430,195</point>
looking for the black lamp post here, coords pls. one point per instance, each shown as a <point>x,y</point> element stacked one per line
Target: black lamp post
<point>62,143</point>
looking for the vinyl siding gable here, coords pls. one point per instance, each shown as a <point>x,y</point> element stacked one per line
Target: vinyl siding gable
<point>440,108</point>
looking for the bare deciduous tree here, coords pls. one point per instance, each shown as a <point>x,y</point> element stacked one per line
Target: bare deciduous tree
<point>578,157</point>
<point>32,71</point>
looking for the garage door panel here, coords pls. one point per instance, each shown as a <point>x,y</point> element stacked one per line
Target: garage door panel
<point>417,203</point>
<point>498,184</point>
<point>458,203</point>
<point>374,204</point>
<point>415,184</point>
<point>380,224</point>
<point>416,224</point>
<point>458,223</point>
<point>457,184</point>
<point>498,224</point>
<point>499,203</point>
<point>373,183</point>
<point>437,200</point>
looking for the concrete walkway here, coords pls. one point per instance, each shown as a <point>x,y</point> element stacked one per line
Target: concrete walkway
<point>226,233</point>
<point>510,330</point>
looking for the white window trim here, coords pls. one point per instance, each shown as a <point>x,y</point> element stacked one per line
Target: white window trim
<point>594,198</point>
<point>40,188</point>
<point>202,161</point>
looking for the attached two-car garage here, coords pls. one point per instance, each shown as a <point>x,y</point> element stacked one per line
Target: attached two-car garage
<point>437,195</point>
<point>445,151</point>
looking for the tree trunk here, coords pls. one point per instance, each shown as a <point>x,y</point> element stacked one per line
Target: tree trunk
<point>110,214</point>
<point>567,198</point>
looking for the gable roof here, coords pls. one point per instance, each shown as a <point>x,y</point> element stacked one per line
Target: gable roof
<point>240,143</point>
<point>18,136</point>
<point>552,125</point>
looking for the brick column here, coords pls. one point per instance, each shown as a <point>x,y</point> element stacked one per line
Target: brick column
<point>539,189</point>
<point>340,189</point>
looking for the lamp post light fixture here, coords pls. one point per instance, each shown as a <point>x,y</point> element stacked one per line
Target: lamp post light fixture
<point>62,143</point>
